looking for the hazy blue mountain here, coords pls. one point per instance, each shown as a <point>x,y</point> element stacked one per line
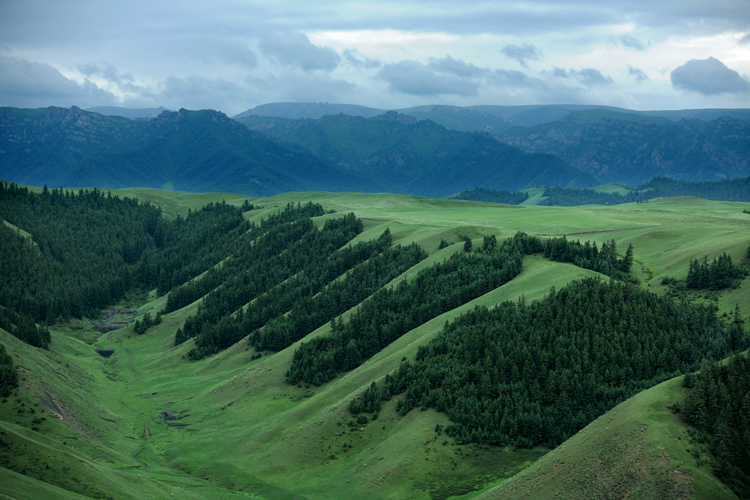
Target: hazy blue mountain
<point>487,118</point>
<point>545,113</point>
<point>463,119</point>
<point>631,148</point>
<point>297,110</point>
<point>192,150</point>
<point>131,113</point>
<point>421,157</point>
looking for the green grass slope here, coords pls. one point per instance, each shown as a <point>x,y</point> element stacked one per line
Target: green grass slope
<point>638,450</point>
<point>244,432</point>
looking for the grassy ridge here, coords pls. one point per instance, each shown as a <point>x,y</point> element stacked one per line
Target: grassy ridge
<point>249,431</point>
<point>637,450</point>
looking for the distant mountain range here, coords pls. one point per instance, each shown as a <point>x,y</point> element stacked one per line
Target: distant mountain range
<point>208,151</point>
<point>420,157</point>
<point>630,148</point>
<point>131,113</point>
<point>186,150</point>
<point>610,144</point>
<point>435,151</point>
<point>478,118</point>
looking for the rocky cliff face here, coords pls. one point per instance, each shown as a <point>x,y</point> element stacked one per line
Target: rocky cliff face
<point>635,151</point>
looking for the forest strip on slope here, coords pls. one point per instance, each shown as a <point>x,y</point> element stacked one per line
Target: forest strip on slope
<point>658,187</point>
<point>313,276</point>
<point>392,312</point>
<point>89,250</point>
<point>530,374</point>
<point>718,408</point>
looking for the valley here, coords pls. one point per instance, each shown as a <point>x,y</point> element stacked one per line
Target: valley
<point>148,422</point>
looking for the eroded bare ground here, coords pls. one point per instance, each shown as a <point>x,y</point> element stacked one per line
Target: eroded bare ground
<point>106,322</point>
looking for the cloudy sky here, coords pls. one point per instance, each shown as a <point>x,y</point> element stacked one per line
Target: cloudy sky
<point>234,55</point>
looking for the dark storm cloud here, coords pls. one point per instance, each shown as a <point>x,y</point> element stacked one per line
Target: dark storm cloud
<point>359,60</point>
<point>559,72</point>
<point>708,77</point>
<point>638,74</point>
<point>295,49</point>
<point>511,78</point>
<point>415,78</point>
<point>633,43</point>
<point>457,67</point>
<point>521,53</point>
<point>589,77</point>
<point>29,84</point>
<point>449,76</point>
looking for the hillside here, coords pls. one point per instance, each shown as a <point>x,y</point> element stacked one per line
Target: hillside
<point>148,421</point>
<point>421,157</point>
<point>616,194</point>
<point>632,149</point>
<point>638,450</point>
<point>185,150</point>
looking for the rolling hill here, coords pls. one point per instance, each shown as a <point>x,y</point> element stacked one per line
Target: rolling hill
<point>149,422</point>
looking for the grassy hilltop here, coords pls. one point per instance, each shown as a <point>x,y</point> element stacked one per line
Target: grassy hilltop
<point>93,425</point>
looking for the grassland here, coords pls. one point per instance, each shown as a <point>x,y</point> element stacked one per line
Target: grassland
<point>249,434</point>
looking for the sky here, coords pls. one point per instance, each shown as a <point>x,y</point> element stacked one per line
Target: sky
<point>234,55</point>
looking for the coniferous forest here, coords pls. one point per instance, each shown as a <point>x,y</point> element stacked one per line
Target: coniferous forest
<point>87,250</point>
<point>529,374</point>
<point>718,406</point>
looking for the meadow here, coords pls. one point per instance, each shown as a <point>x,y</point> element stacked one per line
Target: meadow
<point>148,423</point>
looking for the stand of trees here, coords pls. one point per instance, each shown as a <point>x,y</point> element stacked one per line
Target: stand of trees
<point>140,327</point>
<point>529,374</point>
<point>301,260</point>
<point>24,328</point>
<point>588,256</point>
<point>8,375</point>
<point>493,195</point>
<point>391,312</point>
<point>719,274</point>
<point>718,404</point>
<point>262,241</point>
<point>87,250</point>
<point>311,312</point>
